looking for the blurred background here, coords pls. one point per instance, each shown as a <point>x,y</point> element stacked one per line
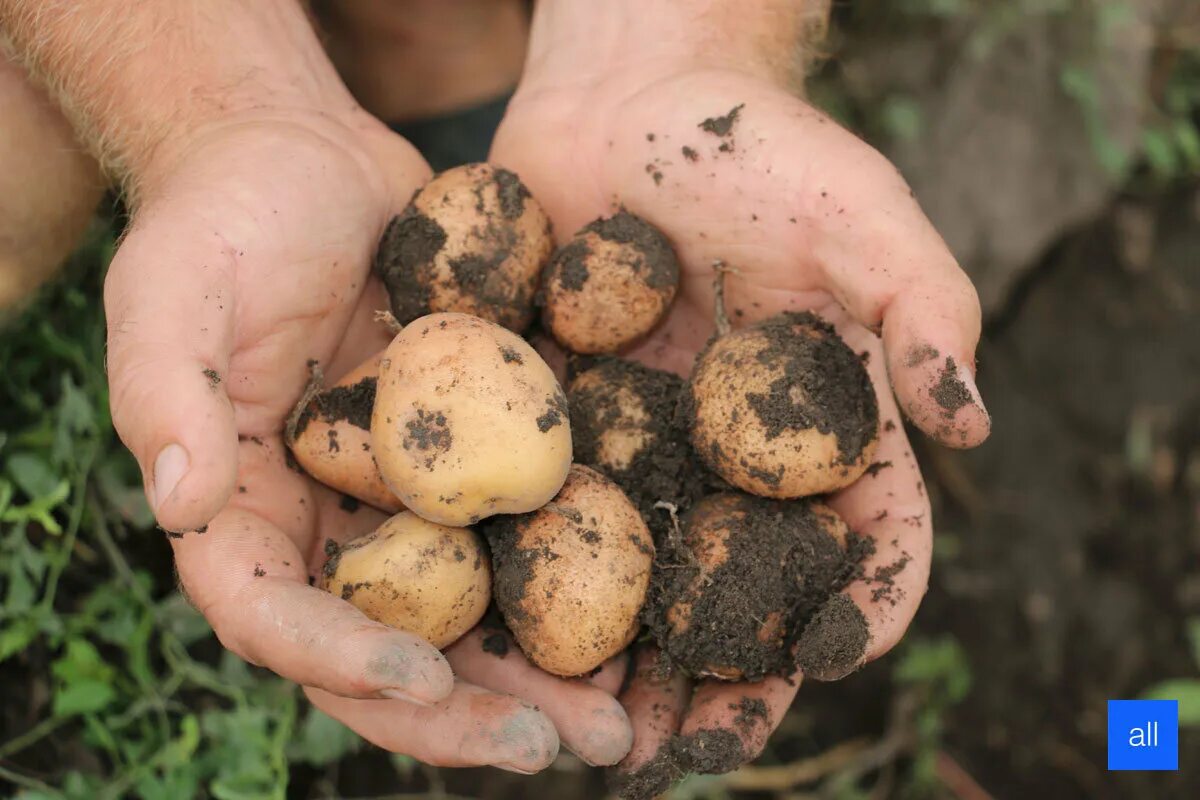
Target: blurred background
<point>1056,144</point>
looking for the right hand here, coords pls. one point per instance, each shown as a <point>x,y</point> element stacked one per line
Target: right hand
<point>249,255</point>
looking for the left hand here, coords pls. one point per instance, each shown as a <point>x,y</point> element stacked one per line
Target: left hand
<point>809,217</point>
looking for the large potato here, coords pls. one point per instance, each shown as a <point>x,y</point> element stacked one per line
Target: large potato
<point>737,589</point>
<point>471,240</point>
<point>414,575</point>
<point>610,285</point>
<point>332,438</point>
<point>571,577</point>
<point>783,408</point>
<point>469,421</point>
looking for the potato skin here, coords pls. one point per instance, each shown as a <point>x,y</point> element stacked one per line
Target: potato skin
<point>472,240</point>
<point>468,421</point>
<point>783,408</point>
<point>332,445</point>
<point>610,285</point>
<point>411,574</point>
<point>572,577</point>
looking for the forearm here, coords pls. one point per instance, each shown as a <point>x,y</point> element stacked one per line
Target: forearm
<point>135,78</point>
<point>770,38</point>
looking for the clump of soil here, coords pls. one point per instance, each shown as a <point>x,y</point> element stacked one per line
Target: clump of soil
<point>350,403</point>
<point>840,398</point>
<point>733,595</point>
<point>723,125</point>
<point>663,468</point>
<point>405,262</point>
<point>950,392</point>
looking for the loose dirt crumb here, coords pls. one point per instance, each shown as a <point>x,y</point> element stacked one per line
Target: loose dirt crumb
<point>722,126</point>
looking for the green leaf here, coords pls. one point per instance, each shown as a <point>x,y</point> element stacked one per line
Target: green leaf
<point>32,475</point>
<point>940,663</point>
<point>85,681</point>
<point>323,740</point>
<point>901,118</point>
<point>84,696</point>
<point>16,635</point>
<point>1186,691</point>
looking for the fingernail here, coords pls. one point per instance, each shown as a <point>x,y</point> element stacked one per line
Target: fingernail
<point>511,768</point>
<point>411,670</point>
<point>968,379</point>
<point>399,694</point>
<point>169,469</point>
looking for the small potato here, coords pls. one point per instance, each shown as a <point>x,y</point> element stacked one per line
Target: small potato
<point>423,578</point>
<point>610,285</point>
<point>737,589</point>
<point>469,421</point>
<point>332,439</point>
<point>783,408</point>
<point>471,240</point>
<point>571,577</point>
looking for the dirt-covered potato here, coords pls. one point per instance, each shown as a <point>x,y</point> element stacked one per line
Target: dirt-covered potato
<point>733,594</point>
<point>609,285</point>
<point>414,575</point>
<point>571,577</point>
<point>469,421</point>
<point>471,240</point>
<point>624,423</point>
<point>331,439</point>
<point>783,408</point>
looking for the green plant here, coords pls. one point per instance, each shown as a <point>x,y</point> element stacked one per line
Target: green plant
<point>1185,690</point>
<point>129,671</point>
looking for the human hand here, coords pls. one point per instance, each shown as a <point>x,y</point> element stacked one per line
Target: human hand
<point>735,168</point>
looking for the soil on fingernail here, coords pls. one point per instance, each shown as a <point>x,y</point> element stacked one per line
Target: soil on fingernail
<point>950,392</point>
<point>834,641</point>
<point>648,781</point>
<point>710,752</point>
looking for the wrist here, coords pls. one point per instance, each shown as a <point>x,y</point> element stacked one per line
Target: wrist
<point>141,80</point>
<point>576,41</point>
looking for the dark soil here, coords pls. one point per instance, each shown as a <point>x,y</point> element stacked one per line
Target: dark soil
<point>428,433</point>
<point>556,412</point>
<point>569,265</point>
<point>512,193</point>
<point>781,565</point>
<point>722,126</point>
<point>950,393</point>
<point>657,264</point>
<point>405,262</point>
<point>665,470</point>
<point>513,567</point>
<point>352,404</point>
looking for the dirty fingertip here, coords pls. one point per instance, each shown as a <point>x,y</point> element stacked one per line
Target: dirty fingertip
<point>834,642</point>
<point>939,394</point>
<point>409,668</point>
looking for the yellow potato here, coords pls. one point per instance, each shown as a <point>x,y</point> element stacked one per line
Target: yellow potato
<point>472,240</point>
<point>610,285</point>
<point>783,408</point>
<point>332,439</point>
<point>571,577</point>
<point>469,421</point>
<point>427,579</point>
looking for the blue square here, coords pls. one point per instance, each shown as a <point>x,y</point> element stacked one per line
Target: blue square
<point>1143,734</point>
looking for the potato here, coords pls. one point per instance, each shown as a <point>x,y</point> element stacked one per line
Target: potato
<point>469,421</point>
<point>783,408</point>
<point>610,285</point>
<point>571,577</point>
<point>735,592</point>
<point>332,438</point>
<point>471,240</point>
<point>427,579</point>
<point>623,423</point>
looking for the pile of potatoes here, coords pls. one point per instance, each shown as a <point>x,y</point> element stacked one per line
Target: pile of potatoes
<point>587,515</point>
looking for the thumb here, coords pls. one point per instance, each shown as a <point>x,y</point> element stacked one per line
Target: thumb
<point>169,300</point>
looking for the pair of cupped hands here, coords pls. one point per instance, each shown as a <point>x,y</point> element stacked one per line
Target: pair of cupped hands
<point>250,255</point>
